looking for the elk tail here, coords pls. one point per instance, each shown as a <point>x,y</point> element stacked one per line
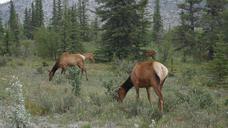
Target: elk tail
<point>161,72</point>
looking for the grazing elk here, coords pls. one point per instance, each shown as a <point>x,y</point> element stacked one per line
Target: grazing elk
<point>147,74</point>
<point>68,59</point>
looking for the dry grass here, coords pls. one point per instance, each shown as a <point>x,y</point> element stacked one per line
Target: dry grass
<point>55,101</point>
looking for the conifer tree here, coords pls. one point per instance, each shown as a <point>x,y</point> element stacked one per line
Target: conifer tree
<point>190,19</point>
<point>6,43</point>
<point>39,16</point>
<point>219,65</point>
<point>157,23</point>
<point>224,27</point>
<point>27,23</point>
<point>14,25</point>
<point>144,24</point>
<point>121,22</point>
<point>65,30</point>
<point>75,43</point>
<point>1,29</point>
<point>54,15</point>
<point>83,19</point>
<point>212,21</point>
<point>33,18</point>
<point>59,15</point>
<point>95,28</point>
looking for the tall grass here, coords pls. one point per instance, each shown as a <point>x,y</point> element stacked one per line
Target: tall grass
<point>186,105</point>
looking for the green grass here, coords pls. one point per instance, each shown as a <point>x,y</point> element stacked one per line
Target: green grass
<point>186,106</point>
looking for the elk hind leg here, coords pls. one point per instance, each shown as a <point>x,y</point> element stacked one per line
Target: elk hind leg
<point>137,93</point>
<point>157,90</point>
<point>148,94</point>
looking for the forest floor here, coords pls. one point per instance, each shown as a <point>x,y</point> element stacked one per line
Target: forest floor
<point>52,104</point>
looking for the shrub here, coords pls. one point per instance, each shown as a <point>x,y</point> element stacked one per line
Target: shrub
<point>19,116</point>
<point>74,78</point>
<point>35,108</point>
<point>3,61</point>
<point>226,102</point>
<point>26,48</point>
<point>201,97</point>
<point>51,100</point>
<point>110,87</point>
<point>86,126</point>
<point>122,66</point>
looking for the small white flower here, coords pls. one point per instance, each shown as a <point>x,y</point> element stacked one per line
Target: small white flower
<point>136,125</point>
<point>153,124</point>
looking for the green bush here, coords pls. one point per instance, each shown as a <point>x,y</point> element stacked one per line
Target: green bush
<point>51,100</point>
<point>122,66</point>
<point>3,61</point>
<point>26,48</point>
<point>74,78</point>
<point>110,87</point>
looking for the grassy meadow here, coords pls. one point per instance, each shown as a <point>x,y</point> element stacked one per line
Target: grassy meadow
<point>188,103</point>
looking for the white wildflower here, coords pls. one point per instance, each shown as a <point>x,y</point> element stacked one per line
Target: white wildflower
<point>136,125</point>
<point>19,116</point>
<point>153,124</point>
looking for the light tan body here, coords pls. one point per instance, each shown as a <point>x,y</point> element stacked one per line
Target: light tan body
<point>67,59</point>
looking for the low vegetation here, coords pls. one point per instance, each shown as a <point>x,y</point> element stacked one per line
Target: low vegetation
<point>194,51</point>
<point>186,105</point>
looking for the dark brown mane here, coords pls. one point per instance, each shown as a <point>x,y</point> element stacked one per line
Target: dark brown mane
<point>53,70</point>
<point>127,85</point>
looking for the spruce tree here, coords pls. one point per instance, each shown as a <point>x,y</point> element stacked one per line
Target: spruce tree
<point>39,16</point>
<point>33,18</point>
<point>75,41</point>
<point>219,65</point>
<point>121,22</point>
<point>59,15</point>
<point>95,28</point>
<point>212,21</point>
<point>1,29</point>
<point>144,24</point>
<point>14,26</point>
<point>54,16</point>
<point>224,27</point>
<point>190,20</point>
<point>6,43</point>
<point>27,23</point>
<point>157,23</point>
<point>65,30</point>
<point>83,19</point>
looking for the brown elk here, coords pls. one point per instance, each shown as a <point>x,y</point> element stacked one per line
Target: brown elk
<point>67,59</point>
<point>147,74</point>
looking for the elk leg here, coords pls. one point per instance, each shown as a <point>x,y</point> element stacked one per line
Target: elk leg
<point>137,93</point>
<point>161,86</point>
<point>157,90</point>
<point>63,71</point>
<point>159,94</point>
<point>83,69</point>
<point>85,73</point>
<point>81,72</point>
<point>148,94</point>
